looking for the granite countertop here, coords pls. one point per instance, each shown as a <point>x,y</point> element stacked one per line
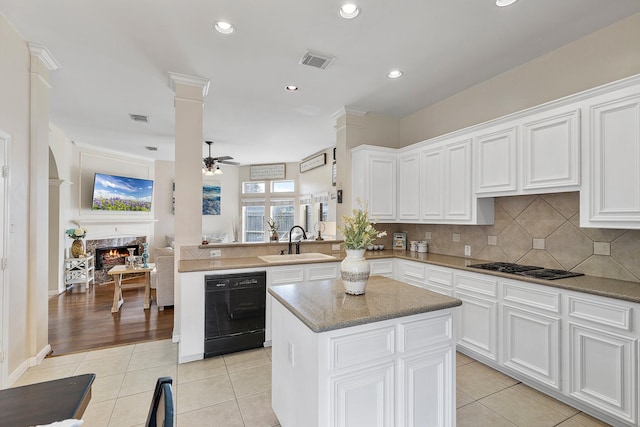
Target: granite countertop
<point>325,306</point>
<point>612,288</point>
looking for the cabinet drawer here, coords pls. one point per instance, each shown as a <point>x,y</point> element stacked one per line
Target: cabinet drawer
<point>287,275</point>
<point>525,295</point>
<point>381,267</point>
<point>422,334</point>
<point>442,278</point>
<point>322,272</point>
<point>355,349</point>
<point>415,271</point>
<point>601,312</point>
<point>478,284</point>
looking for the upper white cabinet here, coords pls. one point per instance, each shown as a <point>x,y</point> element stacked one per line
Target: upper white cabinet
<point>538,153</point>
<point>373,180</point>
<point>610,196</point>
<point>409,186</point>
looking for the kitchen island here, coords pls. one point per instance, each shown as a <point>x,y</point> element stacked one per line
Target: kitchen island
<point>383,358</point>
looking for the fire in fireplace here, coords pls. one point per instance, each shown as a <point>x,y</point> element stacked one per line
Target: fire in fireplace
<point>108,257</point>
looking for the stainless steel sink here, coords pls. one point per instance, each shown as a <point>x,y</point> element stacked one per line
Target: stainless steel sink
<point>292,258</point>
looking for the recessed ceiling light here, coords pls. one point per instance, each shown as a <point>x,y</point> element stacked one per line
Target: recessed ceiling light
<point>223,27</point>
<point>291,88</point>
<point>394,74</point>
<point>503,3</point>
<point>349,11</point>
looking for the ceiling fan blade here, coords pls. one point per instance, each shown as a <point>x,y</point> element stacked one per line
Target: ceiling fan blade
<point>223,158</point>
<point>226,162</point>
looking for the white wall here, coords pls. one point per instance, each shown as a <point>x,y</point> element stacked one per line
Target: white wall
<point>230,210</point>
<point>165,224</point>
<point>14,120</point>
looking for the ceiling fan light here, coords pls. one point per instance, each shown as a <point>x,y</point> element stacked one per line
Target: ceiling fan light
<point>218,171</point>
<point>394,74</point>
<point>349,10</point>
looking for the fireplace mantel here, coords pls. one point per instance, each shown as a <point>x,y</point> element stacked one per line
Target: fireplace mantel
<point>115,221</point>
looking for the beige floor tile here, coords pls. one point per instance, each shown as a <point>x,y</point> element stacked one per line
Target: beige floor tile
<point>131,411</point>
<point>462,359</point>
<point>45,374</point>
<point>201,369</point>
<point>110,352</point>
<point>67,359</point>
<point>98,414</point>
<point>523,410</point>
<point>492,373</point>
<point>463,398</point>
<point>106,387</point>
<point>154,345</point>
<point>268,350</point>
<point>552,403</point>
<point>251,380</point>
<point>477,383</point>
<point>145,379</point>
<point>256,410</point>
<point>226,414</point>
<point>585,420</point>
<point>109,366</point>
<point>148,359</point>
<point>246,359</point>
<point>202,393</point>
<point>476,415</point>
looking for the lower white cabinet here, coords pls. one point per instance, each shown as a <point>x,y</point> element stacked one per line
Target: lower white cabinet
<point>381,267</point>
<point>439,279</point>
<point>410,272</point>
<point>397,372</point>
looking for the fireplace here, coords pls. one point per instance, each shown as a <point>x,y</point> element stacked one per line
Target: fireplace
<point>110,252</point>
<point>107,257</point>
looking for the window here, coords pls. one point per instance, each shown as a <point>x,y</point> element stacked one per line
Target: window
<point>253,220</point>
<point>261,202</point>
<point>283,186</point>
<point>253,187</point>
<point>283,212</point>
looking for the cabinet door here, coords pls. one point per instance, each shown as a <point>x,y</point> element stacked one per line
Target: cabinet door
<point>382,187</point>
<point>611,196</point>
<point>478,324</point>
<point>426,396</point>
<point>363,397</point>
<point>431,201</point>
<point>457,181</point>
<point>411,272</point>
<point>496,161</point>
<point>382,267</point>
<point>603,371</point>
<point>409,186</point>
<point>551,152</point>
<point>532,344</point>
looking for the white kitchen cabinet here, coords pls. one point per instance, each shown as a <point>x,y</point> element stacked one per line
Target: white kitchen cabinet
<point>610,196</point>
<point>446,186</point>
<point>531,331</point>
<point>478,317</point>
<point>409,186</point>
<point>373,180</point>
<point>411,272</point>
<point>603,356</point>
<point>439,279</point>
<point>381,267</point>
<point>299,273</point>
<point>535,154</point>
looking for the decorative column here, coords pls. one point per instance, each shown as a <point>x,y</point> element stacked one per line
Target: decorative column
<point>189,104</point>
<point>42,62</point>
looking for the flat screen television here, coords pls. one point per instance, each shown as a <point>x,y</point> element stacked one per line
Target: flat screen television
<point>120,193</point>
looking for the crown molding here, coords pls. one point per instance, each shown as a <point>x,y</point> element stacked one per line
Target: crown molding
<point>355,111</point>
<point>183,79</point>
<point>45,56</point>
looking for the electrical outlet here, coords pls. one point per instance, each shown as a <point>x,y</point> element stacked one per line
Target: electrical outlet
<point>467,250</point>
<point>335,247</point>
<point>291,359</point>
<point>427,235</point>
<point>215,253</point>
<point>456,237</point>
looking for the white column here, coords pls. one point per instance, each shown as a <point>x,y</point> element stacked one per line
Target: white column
<point>189,104</point>
<point>38,265</point>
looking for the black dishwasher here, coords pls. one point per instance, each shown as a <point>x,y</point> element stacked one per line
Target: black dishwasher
<point>234,313</point>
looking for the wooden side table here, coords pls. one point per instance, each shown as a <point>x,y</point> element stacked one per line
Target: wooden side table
<point>120,270</point>
<point>79,270</point>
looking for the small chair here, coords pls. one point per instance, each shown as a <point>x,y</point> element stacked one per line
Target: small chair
<point>161,411</point>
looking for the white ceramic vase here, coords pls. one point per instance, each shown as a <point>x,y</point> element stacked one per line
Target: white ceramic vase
<point>354,271</point>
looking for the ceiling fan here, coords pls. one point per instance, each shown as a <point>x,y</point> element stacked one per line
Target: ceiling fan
<point>211,165</point>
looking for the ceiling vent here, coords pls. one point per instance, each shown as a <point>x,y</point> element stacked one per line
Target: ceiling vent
<point>139,118</point>
<point>317,60</point>
<point>151,148</point>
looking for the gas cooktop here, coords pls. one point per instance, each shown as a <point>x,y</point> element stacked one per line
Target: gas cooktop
<point>527,270</point>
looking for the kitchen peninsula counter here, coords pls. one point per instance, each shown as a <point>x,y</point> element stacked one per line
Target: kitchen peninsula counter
<point>380,358</point>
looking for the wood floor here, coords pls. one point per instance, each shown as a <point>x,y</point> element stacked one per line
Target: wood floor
<point>81,320</point>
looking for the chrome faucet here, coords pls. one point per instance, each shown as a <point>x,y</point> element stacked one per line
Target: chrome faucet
<point>304,236</point>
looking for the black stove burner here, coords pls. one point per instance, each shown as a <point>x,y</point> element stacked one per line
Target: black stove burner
<point>505,267</point>
<point>527,270</point>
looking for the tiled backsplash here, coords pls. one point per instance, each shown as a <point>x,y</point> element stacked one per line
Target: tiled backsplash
<point>537,230</point>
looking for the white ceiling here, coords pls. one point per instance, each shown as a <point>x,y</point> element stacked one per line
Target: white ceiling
<point>115,57</point>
